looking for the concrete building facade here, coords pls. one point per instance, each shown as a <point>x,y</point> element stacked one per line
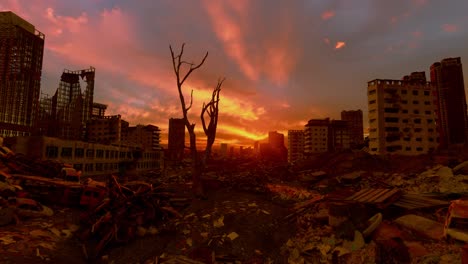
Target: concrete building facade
<point>447,77</point>
<point>356,126</point>
<point>21,54</point>
<point>339,133</point>
<point>148,137</point>
<point>316,136</point>
<point>106,129</point>
<point>402,117</point>
<point>295,145</point>
<point>92,159</point>
<point>176,139</point>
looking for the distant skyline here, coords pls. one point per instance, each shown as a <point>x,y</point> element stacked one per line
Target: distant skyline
<point>284,62</point>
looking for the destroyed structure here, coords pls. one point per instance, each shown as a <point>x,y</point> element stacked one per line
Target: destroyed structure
<point>21,53</point>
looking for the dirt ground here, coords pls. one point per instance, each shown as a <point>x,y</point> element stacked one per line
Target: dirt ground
<point>230,225</point>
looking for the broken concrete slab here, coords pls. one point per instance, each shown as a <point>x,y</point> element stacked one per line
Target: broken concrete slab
<point>423,226</point>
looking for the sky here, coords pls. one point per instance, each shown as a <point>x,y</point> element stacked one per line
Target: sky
<point>285,62</point>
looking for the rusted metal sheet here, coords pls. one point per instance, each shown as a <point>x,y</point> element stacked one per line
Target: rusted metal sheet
<point>415,201</point>
<point>379,197</point>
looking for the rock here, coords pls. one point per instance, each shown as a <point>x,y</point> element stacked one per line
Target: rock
<point>423,226</point>
<point>356,244</point>
<point>445,172</point>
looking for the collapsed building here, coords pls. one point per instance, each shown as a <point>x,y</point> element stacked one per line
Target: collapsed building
<point>65,114</point>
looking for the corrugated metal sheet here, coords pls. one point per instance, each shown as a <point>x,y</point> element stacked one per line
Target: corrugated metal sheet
<point>416,201</point>
<point>379,197</point>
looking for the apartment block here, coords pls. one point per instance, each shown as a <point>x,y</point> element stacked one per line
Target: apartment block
<point>106,129</point>
<point>402,115</point>
<point>295,145</point>
<point>176,138</point>
<point>21,54</point>
<point>148,137</point>
<point>339,132</point>
<point>355,125</point>
<point>91,158</point>
<point>447,77</point>
<point>316,136</point>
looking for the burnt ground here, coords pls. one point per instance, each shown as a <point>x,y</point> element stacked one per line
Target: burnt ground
<point>229,225</point>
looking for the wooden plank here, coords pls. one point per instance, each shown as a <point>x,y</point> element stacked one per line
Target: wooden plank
<point>369,195</point>
<point>387,195</point>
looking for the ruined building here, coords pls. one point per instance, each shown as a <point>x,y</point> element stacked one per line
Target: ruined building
<point>295,145</point>
<point>65,114</point>
<point>176,139</point>
<point>402,117</point>
<point>356,126</point>
<point>21,53</point>
<point>447,77</point>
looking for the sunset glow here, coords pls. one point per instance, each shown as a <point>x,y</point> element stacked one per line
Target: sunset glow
<point>284,62</point>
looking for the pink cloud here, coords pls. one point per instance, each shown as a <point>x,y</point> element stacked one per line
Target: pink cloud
<point>417,34</point>
<point>340,44</point>
<point>420,2</point>
<point>450,28</point>
<point>326,40</point>
<point>328,14</point>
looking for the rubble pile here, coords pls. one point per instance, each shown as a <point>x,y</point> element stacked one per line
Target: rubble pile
<point>130,211</point>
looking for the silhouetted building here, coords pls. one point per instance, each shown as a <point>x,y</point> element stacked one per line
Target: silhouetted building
<point>402,116</point>
<point>21,53</point>
<point>339,132</point>
<point>295,145</point>
<point>275,151</point>
<point>223,150</point>
<point>148,137</point>
<point>447,76</point>
<point>176,139</point>
<point>355,125</point>
<point>106,129</point>
<point>99,110</point>
<point>316,136</point>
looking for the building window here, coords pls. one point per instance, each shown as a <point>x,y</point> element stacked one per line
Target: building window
<point>391,110</point>
<point>431,139</point>
<point>404,101</point>
<point>404,120</point>
<point>392,129</point>
<point>98,166</point>
<point>426,93</point>
<point>79,153</point>
<point>89,167</point>
<point>408,148</point>
<point>417,120</point>
<point>78,167</point>
<point>406,139</point>
<point>415,102</point>
<point>416,112</point>
<point>373,149</point>
<point>430,121</point>
<point>371,92</point>
<point>51,152</point>
<point>418,129</point>
<point>415,92</point>
<point>430,130</point>
<point>372,102</point>
<point>66,152</point>
<point>391,119</point>
<point>419,149</point>
<point>90,153</point>
<point>427,112</point>
<point>99,153</point>
<point>404,91</point>
<point>419,139</point>
<point>404,111</point>
<point>427,103</point>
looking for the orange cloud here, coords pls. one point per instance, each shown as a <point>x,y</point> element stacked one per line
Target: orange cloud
<point>228,30</point>
<point>328,14</point>
<point>326,40</point>
<point>450,28</point>
<point>241,132</point>
<point>340,44</point>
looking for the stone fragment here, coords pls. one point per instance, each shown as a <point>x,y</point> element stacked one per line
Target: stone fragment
<point>422,226</point>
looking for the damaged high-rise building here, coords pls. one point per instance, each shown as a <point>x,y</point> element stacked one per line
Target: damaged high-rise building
<point>70,107</point>
<point>21,53</point>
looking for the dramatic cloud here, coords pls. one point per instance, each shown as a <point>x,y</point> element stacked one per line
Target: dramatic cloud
<point>327,15</point>
<point>280,58</point>
<point>340,44</point>
<point>450,28</point>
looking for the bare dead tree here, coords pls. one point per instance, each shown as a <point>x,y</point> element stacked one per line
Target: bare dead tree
<point>211,109</point>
